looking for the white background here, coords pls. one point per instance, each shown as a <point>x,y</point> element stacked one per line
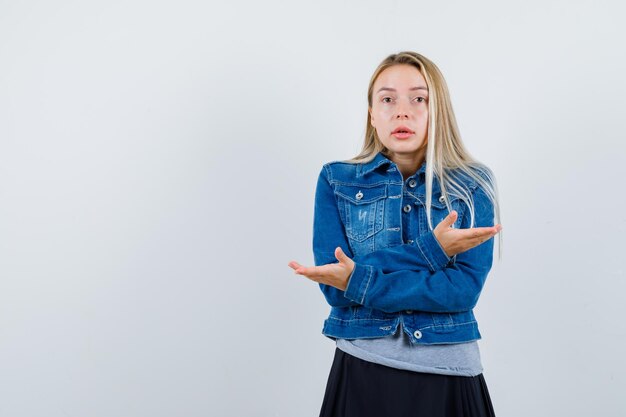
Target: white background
<point>157,170</point>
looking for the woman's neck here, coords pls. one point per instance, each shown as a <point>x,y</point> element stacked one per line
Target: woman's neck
<point>408,164</point>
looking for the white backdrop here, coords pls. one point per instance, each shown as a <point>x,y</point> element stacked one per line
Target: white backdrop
<point>157,170</point>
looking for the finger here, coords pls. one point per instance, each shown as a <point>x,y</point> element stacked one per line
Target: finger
<point>474,236</point>
<point>304,270</point>
<point>477,232</point>
<point>294,265</point>
<point>316,273</point>
<point>309,272</point>
<point>483,236</point>
<point>449,220</point>
<point>482,239</point>
<point>341,255</point>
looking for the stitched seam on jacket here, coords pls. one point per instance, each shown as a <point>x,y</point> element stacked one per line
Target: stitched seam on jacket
<point>423,254</point>
<point>450,325</point>
<point>350,320</point>
<point>420,328</point>
<point>328,173</point>
<point>370,270</point>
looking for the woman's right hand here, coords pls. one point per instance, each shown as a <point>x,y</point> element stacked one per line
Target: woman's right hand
<point>454,241</point>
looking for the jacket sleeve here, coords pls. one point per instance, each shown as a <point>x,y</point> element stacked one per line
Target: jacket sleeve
<point>425,253</point>
<point>328,233</point>
<point>419,276</point>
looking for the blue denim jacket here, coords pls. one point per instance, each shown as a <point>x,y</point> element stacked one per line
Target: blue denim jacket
<point>401,271</point>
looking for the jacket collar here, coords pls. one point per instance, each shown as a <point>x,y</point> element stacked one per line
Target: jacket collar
<point>381,160</point>
<point>378,161</point>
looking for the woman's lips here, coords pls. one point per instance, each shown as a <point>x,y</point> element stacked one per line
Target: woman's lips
<point>402,135</point>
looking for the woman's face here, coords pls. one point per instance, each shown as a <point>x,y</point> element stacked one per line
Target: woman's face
<point>400,100</point>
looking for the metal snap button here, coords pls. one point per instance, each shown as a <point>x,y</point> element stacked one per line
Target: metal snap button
<point>442,199</point>
<point>407,208</point>
<point>409,241</point>
<point>359,195</point>
<point>412,183</point>
<point>408,311</point>
<point>417,334</point>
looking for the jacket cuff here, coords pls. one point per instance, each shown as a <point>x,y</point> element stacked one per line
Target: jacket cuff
<point>432,251</point>
<point>358,282</point>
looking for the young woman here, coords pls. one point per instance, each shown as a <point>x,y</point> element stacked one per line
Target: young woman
<point>402,241</point>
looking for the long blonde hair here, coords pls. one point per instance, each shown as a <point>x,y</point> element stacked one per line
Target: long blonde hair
<point>445,152</point>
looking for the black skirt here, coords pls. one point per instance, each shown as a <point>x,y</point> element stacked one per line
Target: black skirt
<point>358,388</point>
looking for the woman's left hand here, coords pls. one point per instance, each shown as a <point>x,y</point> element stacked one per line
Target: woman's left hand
<point>335,275</point>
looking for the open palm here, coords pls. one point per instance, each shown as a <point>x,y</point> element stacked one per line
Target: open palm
<point>335,274</point>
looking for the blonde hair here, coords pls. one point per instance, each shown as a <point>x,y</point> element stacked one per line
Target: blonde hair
<point>446,156</point>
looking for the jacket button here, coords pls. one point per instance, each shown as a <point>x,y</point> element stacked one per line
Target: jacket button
<point>359,195</point>
<point>412,183</point>
<point>442,199</point>
<point>409,241</point>
<point>407,208</point>
<point>417,334</point>
<point>408,311</point>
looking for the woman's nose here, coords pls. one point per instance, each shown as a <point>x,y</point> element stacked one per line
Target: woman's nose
<point>402,112</point>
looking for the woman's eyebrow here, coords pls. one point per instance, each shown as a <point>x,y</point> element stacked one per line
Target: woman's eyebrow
<point>393,89</point>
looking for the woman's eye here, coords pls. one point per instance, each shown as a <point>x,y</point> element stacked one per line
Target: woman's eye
<point>420,99</point>
<point>385,98</point>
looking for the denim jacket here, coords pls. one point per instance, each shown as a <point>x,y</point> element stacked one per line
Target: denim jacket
<point>401,271</point>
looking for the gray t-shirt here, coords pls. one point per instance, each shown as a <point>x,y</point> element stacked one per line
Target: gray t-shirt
<point>397,351</point>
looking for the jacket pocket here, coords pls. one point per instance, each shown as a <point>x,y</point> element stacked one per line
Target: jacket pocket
<point>363,209</point>
<point>439,211</point>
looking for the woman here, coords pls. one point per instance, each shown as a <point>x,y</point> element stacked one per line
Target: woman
<point>402,291</point>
